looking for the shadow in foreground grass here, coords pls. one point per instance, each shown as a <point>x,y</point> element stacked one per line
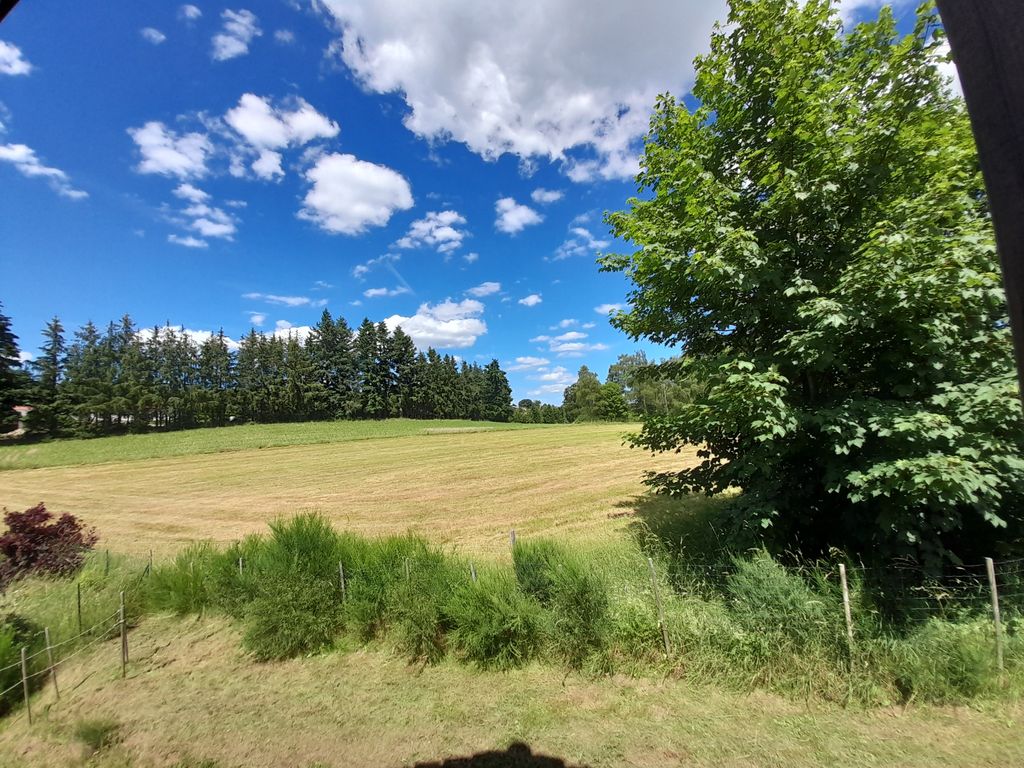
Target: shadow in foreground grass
<point>518,755</point>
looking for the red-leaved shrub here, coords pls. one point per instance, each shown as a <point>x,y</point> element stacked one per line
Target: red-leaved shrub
<point>35,543</point>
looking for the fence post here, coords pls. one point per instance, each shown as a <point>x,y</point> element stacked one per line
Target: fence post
<point>341,579</point>
<point>106,566</point>
<point>239,567</point>
<point>657,602</point>
<point>512,538</point>
<point>407,569</point>
<point>49,656</point>
<point>846,603</point>
<point>124,639</point>
<point>79,585</point>
<point>990,566</point>
<point>472,572</point>
<point>24,683</point>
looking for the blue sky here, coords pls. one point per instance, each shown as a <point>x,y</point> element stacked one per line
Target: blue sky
<point>444,168</point>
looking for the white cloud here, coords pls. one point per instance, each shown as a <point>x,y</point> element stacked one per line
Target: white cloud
<point>438,229</point>
<point>285,301</point>
<point>189,12</point>
<point>544,196</point>
<point>257,318</point>
<point>240,28</point>
<point>470,257</point>
<point>152,35</point>
<point>582,243</point>
<point>321,285</point>
<point>568,322</point>
<point>527,363</point>
<point>190,193</point>
<point>553,381</point>
<point>285,330</point>
<point>348,195</point>
<point>210,221</point>
<point>531,301</point>
<point>267,127</point>
<point>12,60</point>
<point>947,68</point>
<point>387,259</point>
<point>607,309</point>
<point>536,78</point>
<point>375,293</point>
<point>568,344</point>
<point>589,325</point>
<point>24,159</point>
<point>284,36</point>
<point>188,241</point>
<point>514,217</point>
<point>484,289</point>
<point>446,325</point>
<point>25,356</point>
<point>166,153</point>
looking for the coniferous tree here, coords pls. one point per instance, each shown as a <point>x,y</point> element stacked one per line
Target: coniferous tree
<point>497,394</point>
<point>13,379</point>
<point>49,417</point>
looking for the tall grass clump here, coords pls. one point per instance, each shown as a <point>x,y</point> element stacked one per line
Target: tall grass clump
<point>572,591</point>
<point>184,585</point>
<point>493,623</point>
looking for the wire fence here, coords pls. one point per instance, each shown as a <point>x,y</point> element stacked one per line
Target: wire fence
<point>43,663</point>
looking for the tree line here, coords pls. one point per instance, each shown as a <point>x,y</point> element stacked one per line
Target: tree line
<point>127,379</point>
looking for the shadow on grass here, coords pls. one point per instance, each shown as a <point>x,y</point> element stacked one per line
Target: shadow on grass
<point>518,755</point>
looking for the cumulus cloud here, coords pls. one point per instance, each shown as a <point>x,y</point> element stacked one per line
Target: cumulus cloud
<point>470,257</point>
<point>165,152</point>
<point>514,217</point>
<point>607,309</point>
<point>438,229</point>
<point>152,35</point>
<point>581,243</point>
<point>376,293</point>
<point>239,30</point>
<point>257,318</point>
<point>188,241</point>
<point>190,193</point>
<point>349,195</point>
<point>552,381</point>
<point>189,12</point>
<point>484,289</point>
<point>527,363</point>
<point>568,322</point>
<point>12,61</point>
<point>544,196</point>
<point>284,36</point>
<point>531,301</point>
<point>569,344</point>
<point>449,324</point>
<point>210,221</point>
<point>25,161</point>
<point>536,78</point>
<point>285,301</point>
<point>285,330</point>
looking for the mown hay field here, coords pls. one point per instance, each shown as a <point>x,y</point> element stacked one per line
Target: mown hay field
<point>459,483</point>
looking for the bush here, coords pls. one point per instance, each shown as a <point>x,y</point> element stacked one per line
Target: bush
<point>535,563</point>
<point>184,585</point>
<point>945,662</point>
<point>33,543</point>
<point>292,615</point>
<point>493,623</point>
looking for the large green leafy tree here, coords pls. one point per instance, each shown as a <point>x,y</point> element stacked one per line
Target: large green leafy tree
<point>814,235</point>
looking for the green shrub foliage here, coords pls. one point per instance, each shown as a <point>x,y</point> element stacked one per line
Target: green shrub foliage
<point>815,235</point>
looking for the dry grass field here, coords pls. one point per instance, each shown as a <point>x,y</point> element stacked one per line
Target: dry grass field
<point>193,700</point>
<point>456,485</point>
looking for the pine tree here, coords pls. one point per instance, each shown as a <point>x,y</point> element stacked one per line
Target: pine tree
<point>497,395</point>
<point>13,378</point>
<point>50,417</point>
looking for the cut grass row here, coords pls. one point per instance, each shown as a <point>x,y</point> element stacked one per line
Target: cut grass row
<point>462,488</point>
<point>244,437</point>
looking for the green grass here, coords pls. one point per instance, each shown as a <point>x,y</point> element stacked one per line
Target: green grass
<point>104,450</point>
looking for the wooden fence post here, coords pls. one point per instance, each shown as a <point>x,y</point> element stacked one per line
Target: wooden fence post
<point>512,538</point>
<point>106,566</point>
<point>24,683</point>
<point>124,639</point>
<point>407,569</point>
<point>79,585</point>
<point>472,572</point>
<point>239,567</point>
<point>49,657</point>
<point>990,566</point>
<point>341,579</point>
<point>657,602</point>
<point>846,603</point>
